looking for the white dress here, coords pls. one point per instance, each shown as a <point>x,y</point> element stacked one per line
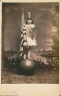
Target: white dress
<point>30,36</point>
<point>31,42</point>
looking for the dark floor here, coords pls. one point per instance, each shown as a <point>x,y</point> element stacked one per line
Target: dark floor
<point>41,76</point>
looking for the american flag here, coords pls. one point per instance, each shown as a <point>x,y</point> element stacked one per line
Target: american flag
<point>23,41</point>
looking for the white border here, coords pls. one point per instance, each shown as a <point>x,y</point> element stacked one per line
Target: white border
<point>31,89</point>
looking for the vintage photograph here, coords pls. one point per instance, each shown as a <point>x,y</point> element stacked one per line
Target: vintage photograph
<point>30,43</point>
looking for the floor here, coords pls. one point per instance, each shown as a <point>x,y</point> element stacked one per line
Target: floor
<point>41,76</point>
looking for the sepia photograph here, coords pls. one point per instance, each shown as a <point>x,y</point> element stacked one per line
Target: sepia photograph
<point>30,43</point>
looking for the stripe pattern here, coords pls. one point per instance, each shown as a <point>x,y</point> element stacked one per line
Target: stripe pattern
<point>23,42</point>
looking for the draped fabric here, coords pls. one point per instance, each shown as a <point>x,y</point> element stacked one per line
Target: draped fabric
<point>23,42</point>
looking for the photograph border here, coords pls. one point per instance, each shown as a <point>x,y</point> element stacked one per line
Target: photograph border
<point>31,89</point>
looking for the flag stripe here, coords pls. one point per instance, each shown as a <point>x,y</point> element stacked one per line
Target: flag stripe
<point>23,42</point>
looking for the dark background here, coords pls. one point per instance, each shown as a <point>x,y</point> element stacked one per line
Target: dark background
<point>45,17</point>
